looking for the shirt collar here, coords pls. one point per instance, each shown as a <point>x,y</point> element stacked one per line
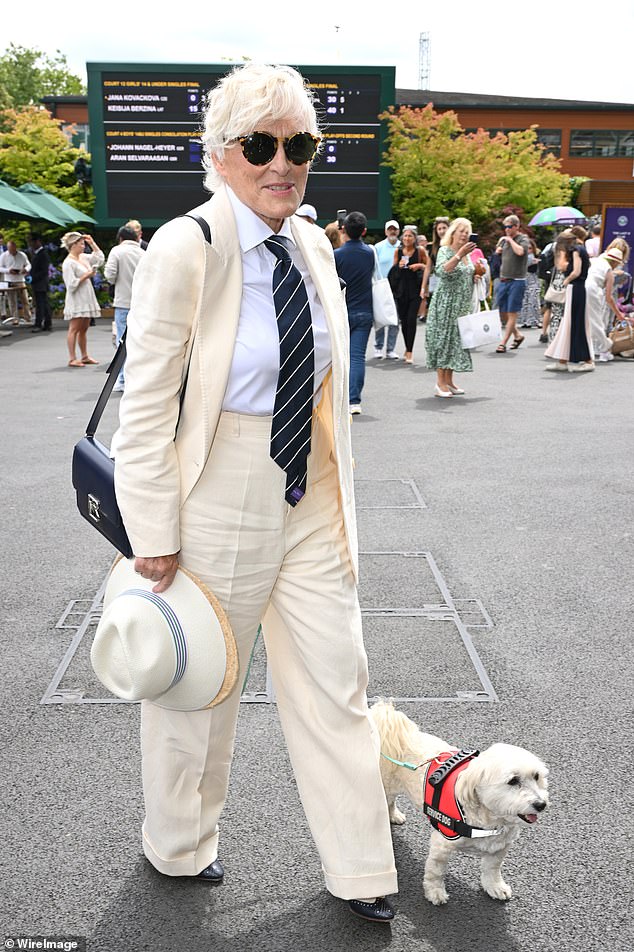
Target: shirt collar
<point>252,231</point>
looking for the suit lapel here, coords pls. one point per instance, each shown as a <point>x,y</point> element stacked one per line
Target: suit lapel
<point>219,311</point>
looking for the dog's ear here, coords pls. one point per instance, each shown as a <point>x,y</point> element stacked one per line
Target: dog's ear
<point>480,773</point>
<point>469,781</point>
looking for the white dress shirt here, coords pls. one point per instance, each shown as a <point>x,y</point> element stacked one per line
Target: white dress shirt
<point>9,262</point>
<point>256,357</point>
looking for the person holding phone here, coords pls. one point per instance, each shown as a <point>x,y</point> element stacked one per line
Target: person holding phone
<point>81,303</point>
<point>452,299</point>
<point>14,267</point>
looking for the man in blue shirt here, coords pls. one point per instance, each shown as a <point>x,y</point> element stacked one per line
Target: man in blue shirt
<point>355,265</point>
<point>385,253</point>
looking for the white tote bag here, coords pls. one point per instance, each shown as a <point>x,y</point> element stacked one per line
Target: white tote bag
<point>383,303</point>
<point>483,327</point>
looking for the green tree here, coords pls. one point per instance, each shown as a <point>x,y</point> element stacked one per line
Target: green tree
<point>28,74</point>
<point>33,148</point>
<point>438,169</point>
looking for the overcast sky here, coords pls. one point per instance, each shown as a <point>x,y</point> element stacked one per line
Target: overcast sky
<point>544,50</point>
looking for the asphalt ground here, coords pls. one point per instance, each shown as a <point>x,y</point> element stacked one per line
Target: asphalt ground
<point>513,499</point>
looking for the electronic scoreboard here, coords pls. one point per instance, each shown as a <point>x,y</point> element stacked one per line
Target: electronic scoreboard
<point>145,125</point>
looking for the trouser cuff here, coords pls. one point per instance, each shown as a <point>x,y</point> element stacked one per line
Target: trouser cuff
<point>189,864</point>
<point>359,887</point>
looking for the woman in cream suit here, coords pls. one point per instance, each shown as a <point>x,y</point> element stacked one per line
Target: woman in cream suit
<point>197,485</point>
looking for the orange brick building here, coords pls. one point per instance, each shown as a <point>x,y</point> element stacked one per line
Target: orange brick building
<point>593,140</point>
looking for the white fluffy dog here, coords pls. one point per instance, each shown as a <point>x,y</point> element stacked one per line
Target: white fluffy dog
<point>504,788</point>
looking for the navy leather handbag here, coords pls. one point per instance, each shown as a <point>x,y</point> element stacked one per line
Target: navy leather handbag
<point>93,471</point>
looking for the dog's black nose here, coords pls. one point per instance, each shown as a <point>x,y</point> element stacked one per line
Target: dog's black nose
<point>539,805</point>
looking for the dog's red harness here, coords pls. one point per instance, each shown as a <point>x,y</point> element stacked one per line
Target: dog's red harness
<point>440,804</point>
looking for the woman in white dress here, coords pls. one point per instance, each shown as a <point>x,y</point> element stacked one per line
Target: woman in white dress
<point>600,304</point>
<point>81,302</point>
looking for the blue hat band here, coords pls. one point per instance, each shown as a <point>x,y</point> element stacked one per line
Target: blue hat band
<point>174,625</point>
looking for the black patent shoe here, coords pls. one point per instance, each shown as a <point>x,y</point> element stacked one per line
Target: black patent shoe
<point>378,911</point>
<point>214,873</point>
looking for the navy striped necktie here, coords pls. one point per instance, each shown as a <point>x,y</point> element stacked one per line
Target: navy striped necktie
<point>292,414</point>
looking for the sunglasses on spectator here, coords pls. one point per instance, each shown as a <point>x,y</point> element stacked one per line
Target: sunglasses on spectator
<point>508,226</point>
<point>260,148</point>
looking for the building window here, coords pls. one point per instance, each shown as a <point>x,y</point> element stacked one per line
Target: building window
<point>601,143</point>
<point>549,138</point>
<point>581,143</point>
<point>605,143</point>
<point>78,134</point>
<point>626,144</point>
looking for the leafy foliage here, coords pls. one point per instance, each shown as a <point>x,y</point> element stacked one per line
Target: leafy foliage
<point>438,169</point>
<point>575,184</point>
<point>33,148</point>
<point>26,75</point>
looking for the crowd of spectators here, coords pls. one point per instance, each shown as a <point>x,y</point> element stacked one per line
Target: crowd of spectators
<point>433,282</point>
<point>82,285</point>
<point>573,293</point>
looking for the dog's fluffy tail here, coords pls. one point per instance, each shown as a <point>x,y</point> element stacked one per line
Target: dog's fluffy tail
<point>399,735</point>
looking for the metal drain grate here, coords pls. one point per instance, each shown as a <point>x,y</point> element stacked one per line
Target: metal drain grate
<point>387,494</point>
<point>417,635</point>
<point>428,636</point>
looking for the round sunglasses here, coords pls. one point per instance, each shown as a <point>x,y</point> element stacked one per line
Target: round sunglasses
<point>260,148</point>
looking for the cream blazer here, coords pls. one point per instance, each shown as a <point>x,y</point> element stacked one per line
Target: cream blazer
<point>186,299</point>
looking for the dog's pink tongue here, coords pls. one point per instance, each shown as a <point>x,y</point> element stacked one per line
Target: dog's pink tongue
<point>531,817</point>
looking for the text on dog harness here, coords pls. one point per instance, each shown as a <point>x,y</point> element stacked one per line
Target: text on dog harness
<point>440,803</point>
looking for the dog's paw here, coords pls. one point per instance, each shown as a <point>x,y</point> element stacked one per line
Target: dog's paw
<point>498,889</point>
<point>396,816</point>
<point>437,895</point>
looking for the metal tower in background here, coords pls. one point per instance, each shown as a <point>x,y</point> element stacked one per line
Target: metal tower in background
<point>424,61</point>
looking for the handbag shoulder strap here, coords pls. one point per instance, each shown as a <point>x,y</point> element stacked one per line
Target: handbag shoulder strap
<point>117,361</point>
<point>204,225</point>
<point>113,372</point>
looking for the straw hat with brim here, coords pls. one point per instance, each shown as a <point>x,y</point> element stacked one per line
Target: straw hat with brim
<point>71,238</point>
<point>175,649</point>
<point>614,253</point>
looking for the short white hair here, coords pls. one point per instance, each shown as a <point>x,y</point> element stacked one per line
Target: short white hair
<point>248,98</point>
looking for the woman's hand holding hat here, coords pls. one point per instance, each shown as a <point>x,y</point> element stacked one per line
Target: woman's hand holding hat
<point>160,569</point>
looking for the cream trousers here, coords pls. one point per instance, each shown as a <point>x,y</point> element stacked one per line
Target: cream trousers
<point>289,568</point>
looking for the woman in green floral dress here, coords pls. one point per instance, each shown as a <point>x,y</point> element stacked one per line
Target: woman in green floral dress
<point>451,300</point>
